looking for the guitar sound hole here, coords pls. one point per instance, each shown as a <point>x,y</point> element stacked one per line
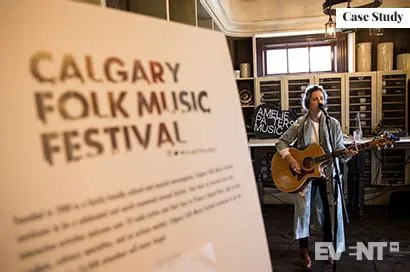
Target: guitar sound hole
<point>308,163</point>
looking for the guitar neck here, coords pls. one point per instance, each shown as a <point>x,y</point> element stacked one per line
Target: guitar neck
<point>329,156</point>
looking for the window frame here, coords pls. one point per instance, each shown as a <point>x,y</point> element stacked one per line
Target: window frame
<point>313,40</point>
<point>287,47</point>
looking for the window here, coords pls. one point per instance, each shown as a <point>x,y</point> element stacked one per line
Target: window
<point>299,60</point>
<point>320,58</point>
<point>277,61</point>
<point>300,54</point>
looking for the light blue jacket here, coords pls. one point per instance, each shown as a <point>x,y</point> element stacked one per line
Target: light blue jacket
<point>301,131</point>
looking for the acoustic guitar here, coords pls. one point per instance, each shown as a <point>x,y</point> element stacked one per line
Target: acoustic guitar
<point>312,160</point>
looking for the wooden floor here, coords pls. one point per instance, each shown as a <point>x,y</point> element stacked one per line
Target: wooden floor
<point>377,225</point>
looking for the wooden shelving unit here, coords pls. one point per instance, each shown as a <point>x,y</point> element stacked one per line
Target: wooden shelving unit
<point>390,167</point>
<point>361,99</point>
<point>392,99</point>
<point>295,86</point>
<point>241,52</point>
<point>246,91</point>
<point>334,84</point>
<point>270,90</point>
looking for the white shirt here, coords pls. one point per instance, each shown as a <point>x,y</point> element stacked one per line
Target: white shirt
<point>314,138</point>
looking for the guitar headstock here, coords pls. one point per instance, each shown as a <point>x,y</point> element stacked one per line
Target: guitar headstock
<point>386,140</point>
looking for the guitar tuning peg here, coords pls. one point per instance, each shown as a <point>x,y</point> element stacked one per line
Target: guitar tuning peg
<point>385,147</point>
<point>378,147</point>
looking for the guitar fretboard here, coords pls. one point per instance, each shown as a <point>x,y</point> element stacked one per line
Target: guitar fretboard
<point>329,156</point>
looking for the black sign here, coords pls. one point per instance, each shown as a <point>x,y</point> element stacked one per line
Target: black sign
<point>270,122</point>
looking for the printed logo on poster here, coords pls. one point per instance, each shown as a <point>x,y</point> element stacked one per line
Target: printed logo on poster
<point>373,17</point>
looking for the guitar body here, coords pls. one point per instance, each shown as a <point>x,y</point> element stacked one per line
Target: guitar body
<point>312,161</point>
<point>286,180</point>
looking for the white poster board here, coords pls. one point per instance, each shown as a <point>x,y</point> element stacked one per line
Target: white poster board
<point>122,146</point>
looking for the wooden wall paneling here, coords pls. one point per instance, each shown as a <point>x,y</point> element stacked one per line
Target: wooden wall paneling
<point>183,11</point>
<point>154,8</point>
<point>203,18</point>
<point>93,2</point>
<point>117,4</point>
